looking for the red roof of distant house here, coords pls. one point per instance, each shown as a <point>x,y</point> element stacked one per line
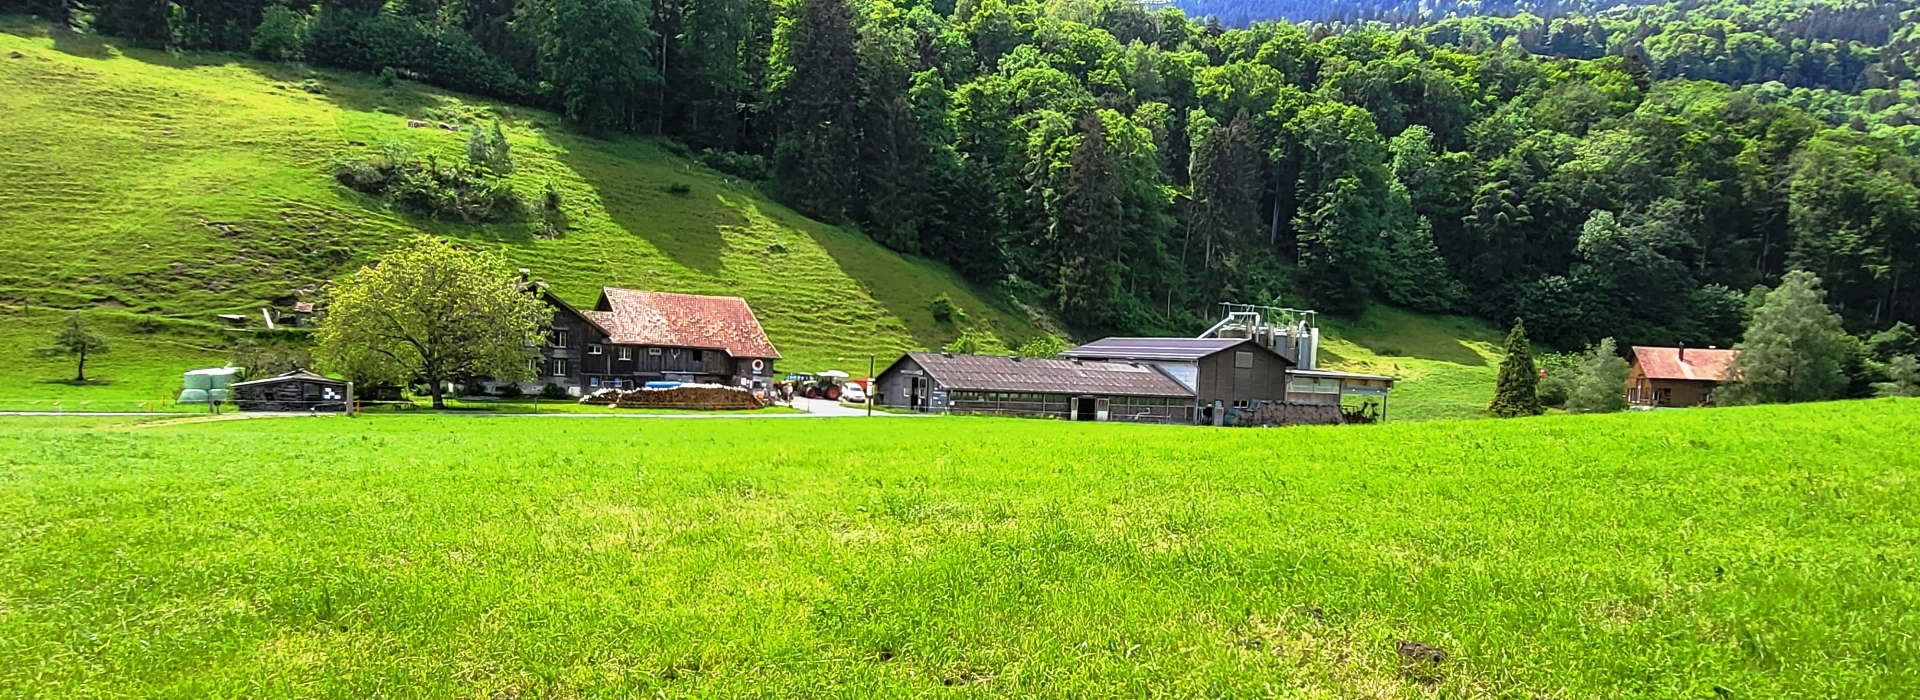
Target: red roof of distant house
<point>1700,365</point>
<point>634,317</point>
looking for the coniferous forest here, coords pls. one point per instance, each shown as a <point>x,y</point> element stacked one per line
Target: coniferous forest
<point>1600,170</point>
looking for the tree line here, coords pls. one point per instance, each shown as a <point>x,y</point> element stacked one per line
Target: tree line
<point>1132,167</point>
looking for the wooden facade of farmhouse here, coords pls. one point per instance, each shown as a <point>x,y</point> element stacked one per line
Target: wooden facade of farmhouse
<point>631,337</point>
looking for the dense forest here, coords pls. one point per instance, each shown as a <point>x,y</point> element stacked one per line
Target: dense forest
<point>1629,171</point>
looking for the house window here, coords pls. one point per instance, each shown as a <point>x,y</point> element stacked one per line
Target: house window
<point>626,354</point>
<point>593,349</point>
<point>699,356</point>
<point>653,351</point>
<point>559,339</point>
<point>1243,360</point>
<point>593,381</point>
<point>559,367</point>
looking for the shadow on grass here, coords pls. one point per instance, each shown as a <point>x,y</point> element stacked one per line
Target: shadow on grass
<point>1390,332</point>
<point>646,207</point>
<point>76,382</point>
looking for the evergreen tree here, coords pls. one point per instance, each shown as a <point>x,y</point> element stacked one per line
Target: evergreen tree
<point>816,102</point>
<point>499,152</point>
<point>1087,214</point>
<point>1601,386</point>
<point>1903,377</point>
<point>479,152</point>
<point>1794,350</point>
<point>1515,393</point>
<point>1225,216</point>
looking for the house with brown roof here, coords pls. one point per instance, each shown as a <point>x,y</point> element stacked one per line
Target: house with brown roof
<point>939,382</point>
<point>1682,376</point>
<point>631,337</point>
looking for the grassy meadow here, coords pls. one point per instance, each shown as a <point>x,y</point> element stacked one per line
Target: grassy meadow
<point>183,186</point>
<point>1731,553</point>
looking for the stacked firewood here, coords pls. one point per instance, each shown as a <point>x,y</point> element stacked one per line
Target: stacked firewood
<point>698,397</point>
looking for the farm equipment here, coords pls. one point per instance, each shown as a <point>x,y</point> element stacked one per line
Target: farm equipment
<point>825,385</point>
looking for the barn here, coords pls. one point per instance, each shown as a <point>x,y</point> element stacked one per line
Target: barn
<point>931,382</point>
<point>299,390</point>
<point>1224,372</point>
<point>1246,381</point>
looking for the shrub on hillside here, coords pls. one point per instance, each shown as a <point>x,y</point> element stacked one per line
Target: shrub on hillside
<point>746,166</point>
<point>426,51</point>
<point>423,186</point>
<point>280,33</point>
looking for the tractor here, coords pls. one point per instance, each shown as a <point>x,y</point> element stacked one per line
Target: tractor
<point>825,385</point>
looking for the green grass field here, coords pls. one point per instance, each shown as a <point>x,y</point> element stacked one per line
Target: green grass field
<point>1732,553</point>
<point>190,185</point>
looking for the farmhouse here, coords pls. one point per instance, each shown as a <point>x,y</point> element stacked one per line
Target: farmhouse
<point>631,337</point>
<point>1663,377</point>
<point>1069,389</point>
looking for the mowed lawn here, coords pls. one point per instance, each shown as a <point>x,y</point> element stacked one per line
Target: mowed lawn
<point>1731,553</point>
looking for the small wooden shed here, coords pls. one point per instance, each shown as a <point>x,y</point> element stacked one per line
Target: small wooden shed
<point>299,390</point>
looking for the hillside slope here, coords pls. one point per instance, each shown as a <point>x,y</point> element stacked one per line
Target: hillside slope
<point>183,186</point>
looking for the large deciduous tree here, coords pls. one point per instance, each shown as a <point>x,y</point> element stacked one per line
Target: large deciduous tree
<point>1516,391</point>
<point>1601,386</point>
<point>1794,350</point>
<point>594,53</point>
<point>432,311</point>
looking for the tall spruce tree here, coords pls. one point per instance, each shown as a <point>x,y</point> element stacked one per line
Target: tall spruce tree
<point>1516,393</point>
<point>816,102</point>
<point>1794,350</point>
<point>1225,217</point>
<point>1087,214</point>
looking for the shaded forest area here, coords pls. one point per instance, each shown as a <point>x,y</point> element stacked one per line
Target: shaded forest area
<point>1631,171</point>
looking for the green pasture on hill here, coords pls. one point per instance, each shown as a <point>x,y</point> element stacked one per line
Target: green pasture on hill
<point>1733,553</point>
<point>143,184</point>
<point>187,185</point>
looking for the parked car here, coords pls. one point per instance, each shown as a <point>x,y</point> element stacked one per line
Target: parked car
<point>852,393</point>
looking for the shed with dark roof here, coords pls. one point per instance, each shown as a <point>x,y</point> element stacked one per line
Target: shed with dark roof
<point>1235,372</point>
<point>1070,389</point>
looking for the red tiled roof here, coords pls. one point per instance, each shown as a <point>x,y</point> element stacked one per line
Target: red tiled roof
<point>1701,365</point>
<point>634,317</point>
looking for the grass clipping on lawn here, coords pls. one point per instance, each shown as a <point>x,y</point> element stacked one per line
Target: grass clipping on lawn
<point>699,397</point>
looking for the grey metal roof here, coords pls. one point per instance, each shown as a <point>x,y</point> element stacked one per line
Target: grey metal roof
<point>1182,349</point>
<point>999,373</point>
<point>1329,374</point>
<point>296,375</point>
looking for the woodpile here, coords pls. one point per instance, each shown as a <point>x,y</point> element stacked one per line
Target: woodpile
<point>693,397</point>
<point>1279,413</point>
